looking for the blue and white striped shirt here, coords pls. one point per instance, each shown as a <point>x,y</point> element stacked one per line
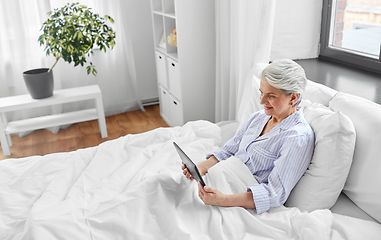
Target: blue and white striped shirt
<point>277,159</point>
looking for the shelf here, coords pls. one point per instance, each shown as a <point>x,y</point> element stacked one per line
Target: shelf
<point>170,15</point>
<point>51,121</point>
<point>161,49</point>
<point>173,55</point>
<point>158,13</point>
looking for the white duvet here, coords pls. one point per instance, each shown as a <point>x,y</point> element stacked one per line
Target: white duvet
<point>133,188</point>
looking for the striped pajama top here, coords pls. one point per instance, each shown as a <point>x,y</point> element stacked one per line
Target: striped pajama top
<point>277,159</point>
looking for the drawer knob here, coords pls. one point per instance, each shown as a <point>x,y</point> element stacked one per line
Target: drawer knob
<point>175,102</point>
<point>173,64</point>
<point>160,57</point>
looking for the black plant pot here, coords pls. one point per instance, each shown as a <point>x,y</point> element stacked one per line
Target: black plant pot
<point>39,82</point>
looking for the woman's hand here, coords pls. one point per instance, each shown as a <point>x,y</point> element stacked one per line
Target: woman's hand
<point>186,172</point>
<point>211,196</point>
<point>202,168</point>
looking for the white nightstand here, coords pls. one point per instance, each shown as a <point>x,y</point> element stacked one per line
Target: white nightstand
<point>21,102</point>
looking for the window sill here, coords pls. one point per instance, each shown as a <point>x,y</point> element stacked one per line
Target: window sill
<point>344,78</point>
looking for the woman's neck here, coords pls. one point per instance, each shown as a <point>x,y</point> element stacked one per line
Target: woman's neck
<point>278,119</point>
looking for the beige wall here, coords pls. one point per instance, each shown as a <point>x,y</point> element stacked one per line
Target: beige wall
<point>362,11</point>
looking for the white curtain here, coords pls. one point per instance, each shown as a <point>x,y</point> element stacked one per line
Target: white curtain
<point>244,36</point>
<point>21,20</point>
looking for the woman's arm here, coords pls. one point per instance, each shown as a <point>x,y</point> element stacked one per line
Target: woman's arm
<point>295,156</point>
<point>211,196</point>
<point>227,150</point>
<point>231,147</point>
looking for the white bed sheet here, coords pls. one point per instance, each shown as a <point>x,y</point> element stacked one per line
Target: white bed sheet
<point>133,188</point>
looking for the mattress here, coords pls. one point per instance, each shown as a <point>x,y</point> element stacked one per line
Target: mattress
<point>345,206</point>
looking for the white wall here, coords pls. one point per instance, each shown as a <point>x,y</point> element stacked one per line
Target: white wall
<point>296,35</point>
<point>296,29</point>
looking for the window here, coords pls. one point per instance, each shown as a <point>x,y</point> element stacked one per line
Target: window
<point>351,32</point>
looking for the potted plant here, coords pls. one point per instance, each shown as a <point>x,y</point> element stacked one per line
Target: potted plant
<point>70,33</point>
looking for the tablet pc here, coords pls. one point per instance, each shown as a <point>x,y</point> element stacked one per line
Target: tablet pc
<point>190,165</point>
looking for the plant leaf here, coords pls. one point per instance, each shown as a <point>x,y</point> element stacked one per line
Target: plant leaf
<point>71,31</point>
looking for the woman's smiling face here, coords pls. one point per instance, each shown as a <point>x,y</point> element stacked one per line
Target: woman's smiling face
<point>275,102</point>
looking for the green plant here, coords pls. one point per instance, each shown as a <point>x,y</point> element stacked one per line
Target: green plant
<point>71,32</point>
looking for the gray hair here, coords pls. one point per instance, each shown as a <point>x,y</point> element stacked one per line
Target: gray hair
<point>286,75</point>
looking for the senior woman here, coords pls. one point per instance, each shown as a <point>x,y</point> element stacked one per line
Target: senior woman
<point>276,143</point>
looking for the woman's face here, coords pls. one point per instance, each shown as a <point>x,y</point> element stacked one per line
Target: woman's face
<point>275,102</point>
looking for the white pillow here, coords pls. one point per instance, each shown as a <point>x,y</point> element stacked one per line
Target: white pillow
<point>363,186</point>
<point>320,186</point>
<point>320,93</point>
<point>228,129</point>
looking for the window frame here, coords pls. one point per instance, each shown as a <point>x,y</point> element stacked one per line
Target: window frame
<point>342,56</point>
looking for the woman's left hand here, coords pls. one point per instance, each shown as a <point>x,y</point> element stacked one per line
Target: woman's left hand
<point>211,196</point>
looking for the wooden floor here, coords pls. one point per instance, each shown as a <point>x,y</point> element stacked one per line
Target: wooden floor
<point>86,134</point>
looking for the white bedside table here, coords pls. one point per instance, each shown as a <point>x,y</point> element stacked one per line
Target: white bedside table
<point>21,102</point>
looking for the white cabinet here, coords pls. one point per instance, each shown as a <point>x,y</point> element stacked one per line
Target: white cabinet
<point>186,72</point>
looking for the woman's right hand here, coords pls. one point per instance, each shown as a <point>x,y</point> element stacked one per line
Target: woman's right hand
<point>186,172</point>
<point>203,170</point>
<point>202,167</point>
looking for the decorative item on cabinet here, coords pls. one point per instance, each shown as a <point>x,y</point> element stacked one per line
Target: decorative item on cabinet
<point>172,38</point>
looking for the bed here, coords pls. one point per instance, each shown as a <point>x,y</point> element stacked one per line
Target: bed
<point>133,188</point>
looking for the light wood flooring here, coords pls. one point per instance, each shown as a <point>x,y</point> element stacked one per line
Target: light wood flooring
<point>85,134</point>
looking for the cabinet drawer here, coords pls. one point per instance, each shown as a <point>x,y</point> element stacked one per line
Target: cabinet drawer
<point>161,69</point>
<point>174,77</point>
<point>176,112</point>
<point>165,102</point>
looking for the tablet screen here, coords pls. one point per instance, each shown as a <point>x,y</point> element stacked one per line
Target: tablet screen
<point>189,164</point>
